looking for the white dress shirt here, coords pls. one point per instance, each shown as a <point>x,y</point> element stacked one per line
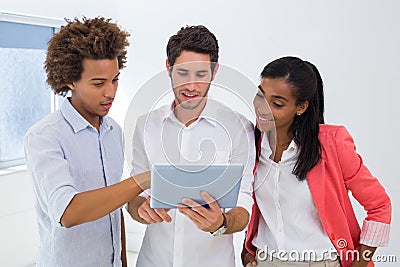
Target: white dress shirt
<point>289,225</point>
<point>218,136</point>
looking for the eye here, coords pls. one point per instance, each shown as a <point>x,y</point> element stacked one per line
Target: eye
<point>277,105</point>
<point>201,75</point>
<point>259,94</point>
<point>182,73</point>
<point>115,80</point>
<point>98,84</point>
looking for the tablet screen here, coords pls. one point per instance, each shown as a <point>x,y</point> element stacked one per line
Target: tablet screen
<point>171,183</point>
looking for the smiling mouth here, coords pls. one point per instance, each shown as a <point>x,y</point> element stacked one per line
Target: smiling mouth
<point>189,95</point>
<point>264,120</point>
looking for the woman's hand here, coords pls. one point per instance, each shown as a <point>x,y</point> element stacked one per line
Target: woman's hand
<point>248,258</point>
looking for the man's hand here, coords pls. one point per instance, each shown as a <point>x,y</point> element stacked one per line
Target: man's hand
<point>152,215</point>
<point>207,220</point>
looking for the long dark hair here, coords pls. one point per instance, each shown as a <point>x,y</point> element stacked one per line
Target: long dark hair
<point>304,78</point>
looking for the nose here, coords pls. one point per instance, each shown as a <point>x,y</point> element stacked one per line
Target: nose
<point>193,81</point>
<point>191,86</point>
<point>261,106</point>
<point>111,90</point>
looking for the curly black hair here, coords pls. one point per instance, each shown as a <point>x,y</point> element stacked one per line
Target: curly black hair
<point>96,38</point>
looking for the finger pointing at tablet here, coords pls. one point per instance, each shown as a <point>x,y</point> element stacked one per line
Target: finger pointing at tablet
<point>153,215</point>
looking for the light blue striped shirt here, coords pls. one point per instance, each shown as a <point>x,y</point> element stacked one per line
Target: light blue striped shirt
<point>65,156</point>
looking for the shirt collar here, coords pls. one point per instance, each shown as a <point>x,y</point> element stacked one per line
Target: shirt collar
<point>209,113</point>
<point>76,120</point>
<point>265,148</point>
<point>289,154</point>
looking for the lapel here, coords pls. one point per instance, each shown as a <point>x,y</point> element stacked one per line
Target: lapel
<point>316,183</point>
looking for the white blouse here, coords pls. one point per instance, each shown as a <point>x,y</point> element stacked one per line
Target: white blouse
<point>289,226</point>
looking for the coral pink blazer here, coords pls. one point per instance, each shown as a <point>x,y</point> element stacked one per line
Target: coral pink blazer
<point>341,169</point>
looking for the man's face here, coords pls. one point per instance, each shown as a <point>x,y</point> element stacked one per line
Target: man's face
<point>93,94</point>
<point>190,78</point>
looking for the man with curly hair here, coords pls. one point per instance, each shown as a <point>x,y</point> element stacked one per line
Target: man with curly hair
<point>75,155</point>
<point>194,129</point>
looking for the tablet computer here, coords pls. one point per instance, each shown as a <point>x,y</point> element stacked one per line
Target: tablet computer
<point>171,183</point>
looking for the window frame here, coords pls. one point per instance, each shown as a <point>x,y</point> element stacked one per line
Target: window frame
<point>55,25</point>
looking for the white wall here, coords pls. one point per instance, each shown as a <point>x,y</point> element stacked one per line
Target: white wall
<point>354,43</point>
<point>62,9</point>
<point>18,229</point>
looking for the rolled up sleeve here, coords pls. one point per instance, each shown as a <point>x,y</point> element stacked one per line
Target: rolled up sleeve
<point>245,154</point>
<point>375,234</point>
<point>52,181</point>
<point>367,190</point>
<point>140,162</point>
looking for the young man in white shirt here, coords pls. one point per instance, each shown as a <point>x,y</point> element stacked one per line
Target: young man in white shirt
<point>194,129</point>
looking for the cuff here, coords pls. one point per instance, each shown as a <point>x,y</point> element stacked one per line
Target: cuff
<point>375,234</point>
<point>59,203</point>
<point>145,193</point>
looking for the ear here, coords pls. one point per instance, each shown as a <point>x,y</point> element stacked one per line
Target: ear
<point>302,107</point>
<point>215,71</point>
<point>168,67</point>
<point>71,86</point>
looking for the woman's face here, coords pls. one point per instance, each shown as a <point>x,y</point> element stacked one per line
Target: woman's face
<point>275,105</point>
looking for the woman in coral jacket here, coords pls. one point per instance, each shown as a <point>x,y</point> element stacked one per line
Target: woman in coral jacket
<point>302,214</point>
